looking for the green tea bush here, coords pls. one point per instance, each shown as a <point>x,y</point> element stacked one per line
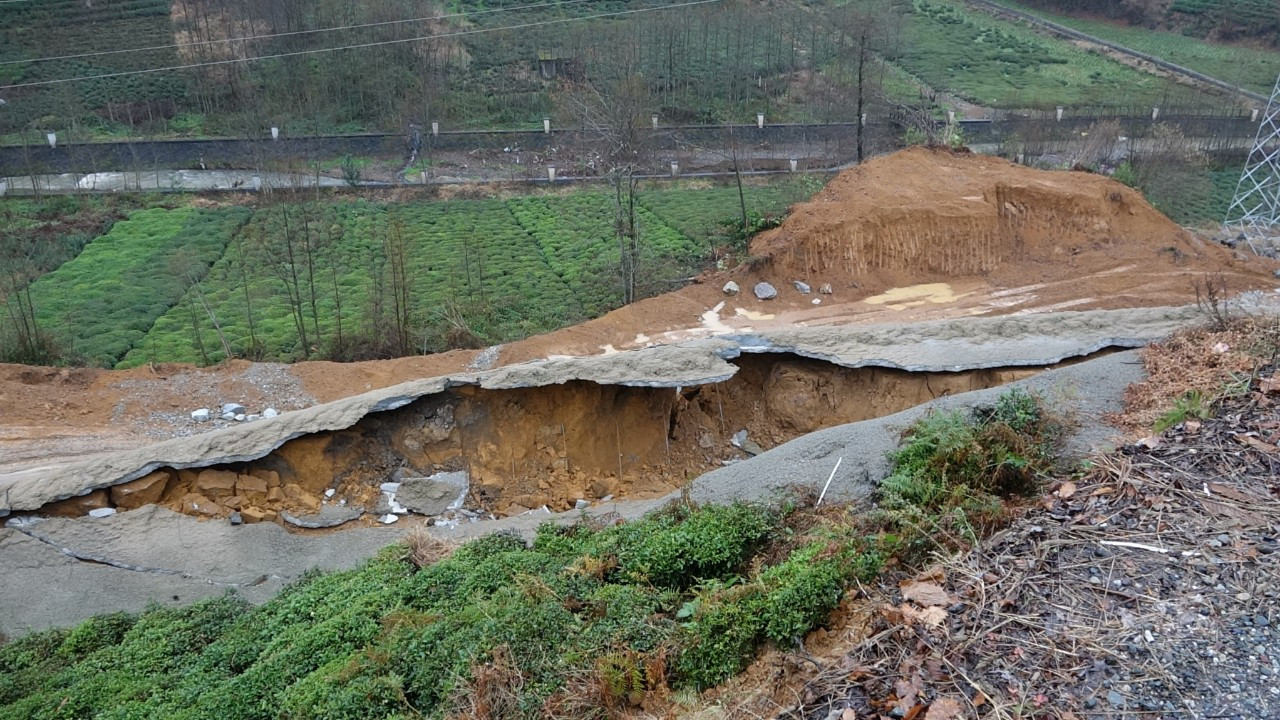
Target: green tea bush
<point>388,639</point>
<point>101,304</point>
<point>710,543</point>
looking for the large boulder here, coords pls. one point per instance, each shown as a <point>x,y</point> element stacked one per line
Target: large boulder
<point>765,291</point>
<point>144,491</point>
<point>434,495</point>
<point>216,483</point>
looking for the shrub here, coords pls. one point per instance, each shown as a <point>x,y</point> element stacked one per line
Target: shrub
<point>953,468</point>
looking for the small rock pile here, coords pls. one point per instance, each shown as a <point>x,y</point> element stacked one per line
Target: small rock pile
<point>232,412</point>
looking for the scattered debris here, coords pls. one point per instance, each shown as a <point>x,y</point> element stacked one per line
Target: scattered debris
<point>825,289</point>
<point>102,512</point>
<point>731,288</point>
<point>388,519</point>
<point>802,287</point>
<point>270,413</point>
<point>201,415</point>
<point>765,291</point>
<point>232,409</point>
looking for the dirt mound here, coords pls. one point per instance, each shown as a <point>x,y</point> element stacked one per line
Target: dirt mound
<point>922,215</point>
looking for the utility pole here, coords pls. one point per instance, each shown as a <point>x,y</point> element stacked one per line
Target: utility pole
<point>1254,214</point>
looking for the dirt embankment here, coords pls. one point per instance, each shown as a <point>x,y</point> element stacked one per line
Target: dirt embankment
<point>931,215</point>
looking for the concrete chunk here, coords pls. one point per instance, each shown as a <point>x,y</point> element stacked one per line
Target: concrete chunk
<point>434,495</point>
<point>329,516</point>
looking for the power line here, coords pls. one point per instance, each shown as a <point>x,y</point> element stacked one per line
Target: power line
<point>285,34</point>
<point>277,56</point>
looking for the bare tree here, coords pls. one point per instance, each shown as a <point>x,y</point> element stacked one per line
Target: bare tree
<point>614,116</point>
<point>187,269</point>
<point>868,30</point>
<point>19,267</point>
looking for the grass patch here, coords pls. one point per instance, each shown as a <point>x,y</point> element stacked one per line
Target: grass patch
<point>998,63</point>
<point>1250,68</point>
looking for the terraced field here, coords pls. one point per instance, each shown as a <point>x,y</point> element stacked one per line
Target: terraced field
<point>292,280</point>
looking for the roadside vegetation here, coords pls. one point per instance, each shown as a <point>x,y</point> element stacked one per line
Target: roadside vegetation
<point>587,621</point>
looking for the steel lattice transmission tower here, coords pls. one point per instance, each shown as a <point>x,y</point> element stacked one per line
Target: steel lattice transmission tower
<point>1255,211</point>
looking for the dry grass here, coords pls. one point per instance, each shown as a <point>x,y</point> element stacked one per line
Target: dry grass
<point>424,549</point>
<point>493,692</point>
<point>1202,360</point>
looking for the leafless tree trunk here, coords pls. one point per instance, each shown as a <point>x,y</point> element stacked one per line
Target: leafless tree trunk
<point>614,115</point>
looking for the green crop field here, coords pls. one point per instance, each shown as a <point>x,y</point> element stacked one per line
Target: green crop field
<point>705,64</point>
<point>524,266</point>
<point>1250,68</point>
<point>294,280</point>
<point>993,62</point>
<point>100,304</point>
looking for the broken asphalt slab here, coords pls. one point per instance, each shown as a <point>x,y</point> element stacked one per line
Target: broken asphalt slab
<point>941,346</point>
<point>60,571</point>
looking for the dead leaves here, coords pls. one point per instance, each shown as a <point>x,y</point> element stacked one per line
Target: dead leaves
<point>1259,445</point>
<point>1269,385</point>
<point>925,594</point>
<point>1232,493</point>
<point>944,708</point>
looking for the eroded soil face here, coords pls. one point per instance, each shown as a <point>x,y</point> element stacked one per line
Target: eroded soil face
<point>557,444</point>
